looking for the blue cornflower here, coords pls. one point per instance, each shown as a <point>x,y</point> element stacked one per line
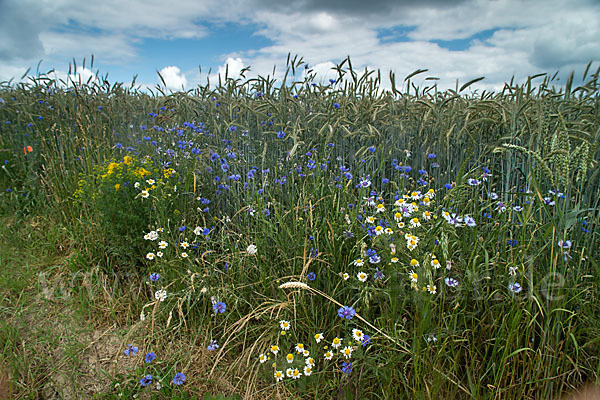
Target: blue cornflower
<point>366,340</point>
<point>515,287</point>
<point>336,105</point>
<point>431,156</point>
<point>150,357</point>
<point>311,276</point>
<point>146,380</point>
<point>364,182</point>
<point>212,345</point>
<point>346,312</point>
<point>512,242</point>
<point>179,378</point>
<point>565,244</point>
<point>372,149</point>
<point>131,350</point>
<point>385,180</point>
<point>332,81</point>
<point>448,186</point>
<point>154,276</point>
<point>378,275</point>
<point>219,307</point>
<point>181,229</point>
<point>451,282</point>
<point>266,212</point>
<point>346,367</point>
<point>280,134</point>
<point>314,252</point>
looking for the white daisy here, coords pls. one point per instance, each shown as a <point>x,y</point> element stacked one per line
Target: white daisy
<point>296,373</point>
<point>347,351</point>
<point>358,335</point>
<point>278,375</point>
<point>160,295</point>
<point>285,325</point>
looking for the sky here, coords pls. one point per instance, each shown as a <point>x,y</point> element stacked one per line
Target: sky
<point>190,41</point>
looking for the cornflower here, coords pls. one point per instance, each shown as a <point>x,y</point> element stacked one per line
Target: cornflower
<point>346,367</point>
<point>515,287</point>
<point>346,312</point>
<point>213,345</point>
<point>145,381</point>
<point>131,350</point>
<point>179,379</point>
<point>150,357</point>
<point>219,307</point>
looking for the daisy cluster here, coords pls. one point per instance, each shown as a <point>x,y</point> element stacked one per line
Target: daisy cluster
<point>300,361</point>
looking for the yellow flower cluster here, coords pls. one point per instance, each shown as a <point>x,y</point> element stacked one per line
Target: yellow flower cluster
<point>111,176</point>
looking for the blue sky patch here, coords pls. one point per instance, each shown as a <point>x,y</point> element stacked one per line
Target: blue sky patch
<point>464,44</point>
<point>395,34</point>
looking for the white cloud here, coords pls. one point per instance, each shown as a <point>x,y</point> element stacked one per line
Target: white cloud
<point>174,78</point>
<point>528,36</point>
<point>230,69</point>
<point>111,48</point>
<point>82,76</point>
<point>10,71</point>
<point>323,72</point>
